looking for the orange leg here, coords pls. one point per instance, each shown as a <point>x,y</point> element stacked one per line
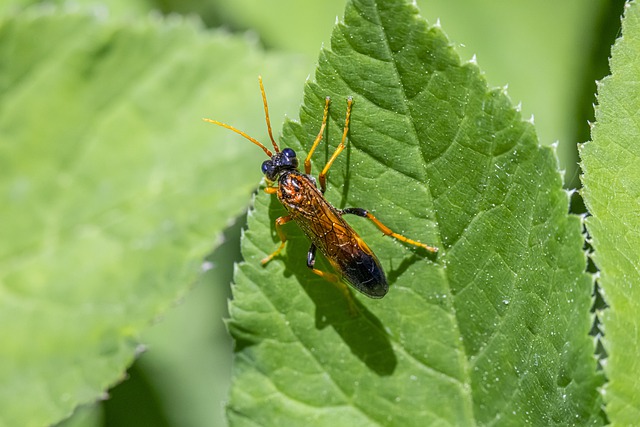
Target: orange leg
<point>271,190</point>
<point>311,262</point>
<point>342,287</point>
<point>307,161</point>
<point>386,230</point>
<point>283,238</point>
<point>341,146</point>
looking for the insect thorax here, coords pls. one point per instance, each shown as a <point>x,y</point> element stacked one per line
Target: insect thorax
<point>297,190</point>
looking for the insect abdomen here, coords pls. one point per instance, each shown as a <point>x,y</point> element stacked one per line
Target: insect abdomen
<point>363,272</point>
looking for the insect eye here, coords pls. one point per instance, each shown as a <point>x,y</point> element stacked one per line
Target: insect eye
<point>289,153</point>
<point>266,166</point>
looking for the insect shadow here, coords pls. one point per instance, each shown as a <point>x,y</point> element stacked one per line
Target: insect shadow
<point>362,331</point>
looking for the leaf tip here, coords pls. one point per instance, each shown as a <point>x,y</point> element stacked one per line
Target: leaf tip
<point>141,348</point>
<point>531,119</point>
<point>206,266</point>
<point>569,193</point>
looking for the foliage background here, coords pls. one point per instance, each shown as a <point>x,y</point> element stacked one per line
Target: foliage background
<point>549,54</point>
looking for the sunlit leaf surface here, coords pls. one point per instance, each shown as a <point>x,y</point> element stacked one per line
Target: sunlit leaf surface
<point>491,330</point>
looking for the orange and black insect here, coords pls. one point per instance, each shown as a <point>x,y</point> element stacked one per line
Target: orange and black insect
<point>323,224</point>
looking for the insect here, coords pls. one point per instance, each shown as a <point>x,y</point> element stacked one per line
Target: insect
<point>351,258</point>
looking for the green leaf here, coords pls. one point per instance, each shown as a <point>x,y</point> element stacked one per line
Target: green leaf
<point>492,330</point>
<point>113,189</point>
<point>612,194</point>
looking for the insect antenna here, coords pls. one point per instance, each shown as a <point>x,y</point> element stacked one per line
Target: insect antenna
<point>266,114</point>
<point>239,132</point>
<point>255,141</point>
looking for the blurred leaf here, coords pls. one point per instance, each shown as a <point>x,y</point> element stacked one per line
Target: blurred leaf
<point>493,330</point>
<point>113,189</point>
<point>112,7</point>
<point>84,416</point>
<point>189,357</point>
<point>285,24</point>
<point>612,193</point>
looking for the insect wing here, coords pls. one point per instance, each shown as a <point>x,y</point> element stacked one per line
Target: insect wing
<point>333,236</point>
<point>362,270</point>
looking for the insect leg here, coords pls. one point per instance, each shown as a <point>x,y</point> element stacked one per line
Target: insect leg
<point>307,161</point>
<point>283,238</point>
<point>311,262</point>
<point>386,230</point>
<point>322,176</point>
<point>311,256</point>
<point>271,190</point>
